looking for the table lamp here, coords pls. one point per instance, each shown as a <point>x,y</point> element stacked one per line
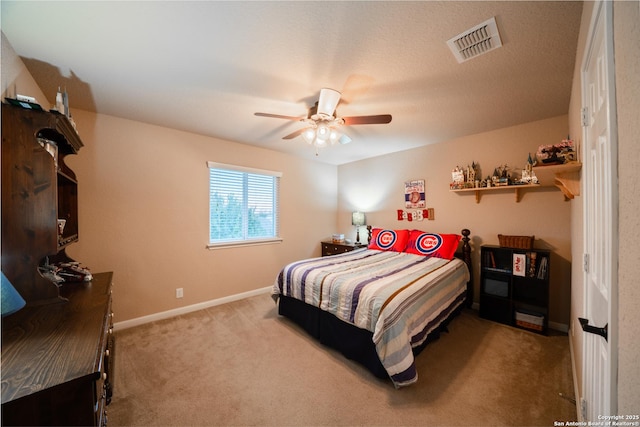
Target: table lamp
<point>358,219</point>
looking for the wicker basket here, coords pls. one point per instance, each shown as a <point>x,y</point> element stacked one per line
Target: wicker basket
<point>519,242</point>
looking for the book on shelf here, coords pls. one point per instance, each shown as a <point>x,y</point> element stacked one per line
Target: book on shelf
<point>542,269</point>
<point>531,263</point>
<point>489,260</point>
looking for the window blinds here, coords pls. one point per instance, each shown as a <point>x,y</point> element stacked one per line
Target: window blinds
<point>243,204</point>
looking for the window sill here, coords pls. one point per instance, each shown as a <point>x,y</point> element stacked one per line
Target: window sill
<point>225,245</point>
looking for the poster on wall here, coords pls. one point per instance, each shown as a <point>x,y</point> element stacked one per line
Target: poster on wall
<point>414,194</point>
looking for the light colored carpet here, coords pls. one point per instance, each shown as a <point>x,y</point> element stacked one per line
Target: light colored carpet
<point>241,364</point>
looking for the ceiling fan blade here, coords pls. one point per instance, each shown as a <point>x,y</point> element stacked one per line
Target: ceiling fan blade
<point>367,120</point>
<point>328,101</point>
<point>294,134</point>
<point>355,87</point>
<point>278,116</point>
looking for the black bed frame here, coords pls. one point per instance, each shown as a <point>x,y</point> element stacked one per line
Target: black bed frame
<point>356,343</point>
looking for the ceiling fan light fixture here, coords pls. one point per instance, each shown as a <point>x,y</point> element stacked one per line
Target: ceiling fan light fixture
<point>323,131</point>
<point>309,135</point>
<point>344,139</point>
<point>323,124</point>
<point>328,102</point>
<point>334,136</point>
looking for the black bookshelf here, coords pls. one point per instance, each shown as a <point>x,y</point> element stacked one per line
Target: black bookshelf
<point>514,287</point>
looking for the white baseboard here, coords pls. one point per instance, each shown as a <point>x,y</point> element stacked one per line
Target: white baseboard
<point>187,309</point>
<point>575,381</point>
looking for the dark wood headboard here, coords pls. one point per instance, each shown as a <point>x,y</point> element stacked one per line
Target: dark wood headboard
<point>465,256</point>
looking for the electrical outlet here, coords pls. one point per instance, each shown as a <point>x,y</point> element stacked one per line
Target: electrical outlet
<point>179,293</point>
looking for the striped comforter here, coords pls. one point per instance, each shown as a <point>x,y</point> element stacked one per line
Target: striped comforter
<point>399,297</point>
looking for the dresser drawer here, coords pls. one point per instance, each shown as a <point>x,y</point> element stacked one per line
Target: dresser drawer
<point>104,383</point>
<point>330,248</point>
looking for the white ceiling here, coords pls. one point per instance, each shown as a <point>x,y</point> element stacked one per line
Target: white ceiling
<point>207,66</point>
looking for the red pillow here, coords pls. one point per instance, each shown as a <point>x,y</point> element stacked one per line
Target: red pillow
<point>389,240</point>
<point>431,244</point>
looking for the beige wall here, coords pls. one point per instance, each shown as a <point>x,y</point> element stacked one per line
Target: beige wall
<point>376,186</point>
<point>144,210</point>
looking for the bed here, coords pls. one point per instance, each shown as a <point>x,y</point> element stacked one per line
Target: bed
<point>381,304</point>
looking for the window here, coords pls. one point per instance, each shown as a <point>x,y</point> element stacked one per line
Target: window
<point>243,205</point>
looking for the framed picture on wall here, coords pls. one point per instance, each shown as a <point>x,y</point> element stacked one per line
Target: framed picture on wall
<point>414,196</point>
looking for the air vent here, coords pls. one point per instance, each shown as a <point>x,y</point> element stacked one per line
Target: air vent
<point>476,41</point>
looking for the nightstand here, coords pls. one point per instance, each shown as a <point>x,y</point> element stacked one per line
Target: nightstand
<point>330,248</point>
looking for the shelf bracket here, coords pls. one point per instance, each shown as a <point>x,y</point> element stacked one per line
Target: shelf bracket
<point>568,183</point>
<point>566,177</point>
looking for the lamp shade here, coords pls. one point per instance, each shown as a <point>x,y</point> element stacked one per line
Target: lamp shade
<point>11,299</point>
<point>358,218</point>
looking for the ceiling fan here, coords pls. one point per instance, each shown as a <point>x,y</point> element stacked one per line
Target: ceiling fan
<point>323,124</point>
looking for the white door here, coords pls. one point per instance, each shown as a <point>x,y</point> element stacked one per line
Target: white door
<point>600,220</point>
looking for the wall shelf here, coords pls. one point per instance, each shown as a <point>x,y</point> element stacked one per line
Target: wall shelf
<point>566,177</point>
<point>514,188</point>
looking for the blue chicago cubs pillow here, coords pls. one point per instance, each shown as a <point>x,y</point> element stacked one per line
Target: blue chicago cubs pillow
<point>389,240</point>
<point>431,244</point>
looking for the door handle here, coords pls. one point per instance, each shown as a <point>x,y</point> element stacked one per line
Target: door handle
<point>603,332</point>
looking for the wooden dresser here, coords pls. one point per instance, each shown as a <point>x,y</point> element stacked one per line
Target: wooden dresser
<point>57,351</point>
<point>57,359</point>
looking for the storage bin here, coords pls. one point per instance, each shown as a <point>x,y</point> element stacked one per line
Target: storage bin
<point>519,242</point>
<point>530,321</point>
